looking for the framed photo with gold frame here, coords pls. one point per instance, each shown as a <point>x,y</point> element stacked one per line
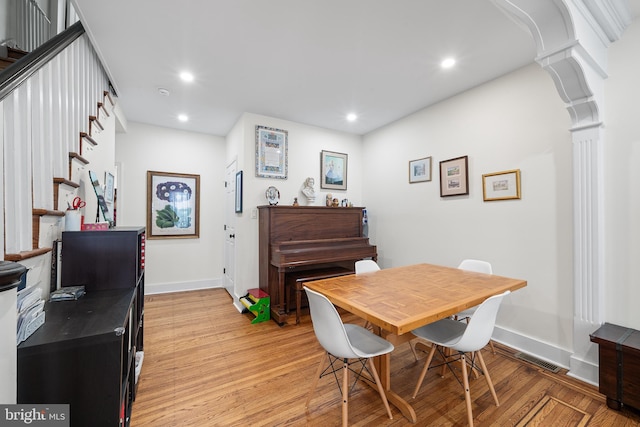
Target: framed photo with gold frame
<point>501,185</point>
<point>454,177</point>
<point>173,205</point>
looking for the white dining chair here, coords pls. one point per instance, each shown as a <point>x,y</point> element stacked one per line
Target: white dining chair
<point>366,266</point>
<point>478,266</point>
<point>352,344</point>
<point>463,338</point>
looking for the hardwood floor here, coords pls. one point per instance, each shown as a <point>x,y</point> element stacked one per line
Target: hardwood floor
<point>205,364</point>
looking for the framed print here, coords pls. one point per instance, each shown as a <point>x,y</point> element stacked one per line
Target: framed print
<point>420,170</point>
<point>271,152</point>
<point>239,192</point>
<point>501,185</point>
<point>454,177</point>
<point>108,187</point>
<point>333,167</point>
<point>173,205</point>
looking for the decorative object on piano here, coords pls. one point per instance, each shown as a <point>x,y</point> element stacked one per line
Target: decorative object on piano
<point>102,203</point>
<point>271,152</point>
<point>257,302</point>
<point>454,177</point>
<point>335,203</point>
<point>329,200</point>
<point>308,190</point>
<point>334,170</point>
<point>295,202</point>
<point>273,195</point>
<point>420,170</point>
<point>501,185</point>
<point>239,192</point>
<point>173,205</point>
<point>345,203</point>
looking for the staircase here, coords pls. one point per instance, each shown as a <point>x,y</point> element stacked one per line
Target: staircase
<point>50,121</point>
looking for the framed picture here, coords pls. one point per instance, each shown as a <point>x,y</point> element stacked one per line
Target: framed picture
<point>501,185</point>
<point>239,192</point>
<point>333,167</point>
<point>108,187</point>
<point>173,205</point>
<point>454,177</point>
<point>271,152</point>
<point>420,170</point>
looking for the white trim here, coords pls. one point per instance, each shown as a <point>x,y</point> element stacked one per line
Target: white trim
<point>164,288</point>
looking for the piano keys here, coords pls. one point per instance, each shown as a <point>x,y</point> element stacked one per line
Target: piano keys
<point>294,239</point>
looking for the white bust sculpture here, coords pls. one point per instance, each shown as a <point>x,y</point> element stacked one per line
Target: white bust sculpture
<point>308,190</point>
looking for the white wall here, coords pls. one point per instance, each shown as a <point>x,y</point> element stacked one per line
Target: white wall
<point>305,144</point>
<point>515,122</point>
<point>174,264</point>
<point>622,149</point>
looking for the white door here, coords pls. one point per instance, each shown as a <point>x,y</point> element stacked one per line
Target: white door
<point>230,233</point>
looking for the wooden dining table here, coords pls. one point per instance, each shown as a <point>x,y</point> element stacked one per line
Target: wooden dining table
<point>400,299</point>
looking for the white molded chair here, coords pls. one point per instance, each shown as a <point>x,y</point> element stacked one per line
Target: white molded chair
<point>479,267</point>
<point>463,338</point>
<point>344,341</point>
<point>366,266</point>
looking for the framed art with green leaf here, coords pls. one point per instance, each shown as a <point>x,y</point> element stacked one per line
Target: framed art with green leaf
<point>173,205</point>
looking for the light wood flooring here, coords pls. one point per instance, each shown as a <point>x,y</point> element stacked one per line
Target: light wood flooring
<point>205,364</point>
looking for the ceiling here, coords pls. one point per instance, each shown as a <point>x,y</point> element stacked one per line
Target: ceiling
<point>307,61</point>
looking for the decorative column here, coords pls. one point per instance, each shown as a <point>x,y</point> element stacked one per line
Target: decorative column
<point>572,38</point>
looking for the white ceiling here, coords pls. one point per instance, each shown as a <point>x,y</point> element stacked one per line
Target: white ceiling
<point>308,61</point>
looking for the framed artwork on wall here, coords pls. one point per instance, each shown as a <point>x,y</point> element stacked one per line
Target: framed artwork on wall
<point>108,187</point>
<point>420,170</point>
<point>333,167</point>
<point>271,152</point>
<point>501,185</point>
<point>454,177</point>
<point>173,205</point>
<point>239,192</point>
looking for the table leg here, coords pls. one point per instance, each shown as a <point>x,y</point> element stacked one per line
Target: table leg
<point>383,366</point>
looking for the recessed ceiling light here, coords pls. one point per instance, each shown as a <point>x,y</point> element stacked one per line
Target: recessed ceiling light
<point>183,117</point>
<point>352,117</point>
<point>162,91</point>
<point>186,76</point>
<point>448,63</point>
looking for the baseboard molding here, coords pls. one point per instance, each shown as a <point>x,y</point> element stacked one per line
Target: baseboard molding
<point>581,370</point>
<point>164,288</point>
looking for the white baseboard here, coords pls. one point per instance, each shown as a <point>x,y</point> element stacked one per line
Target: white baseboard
<point>164,288</point>
<point>581,370</point>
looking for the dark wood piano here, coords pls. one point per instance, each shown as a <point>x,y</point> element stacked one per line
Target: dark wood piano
<point>307,239</point>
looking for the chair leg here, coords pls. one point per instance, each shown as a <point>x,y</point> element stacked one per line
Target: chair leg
<point>323,361</point>
<point>345,394</point>
<point>493,349</point>
<point>425,369</point>
<point>488,378</point>
<point>467,393</point>
<point>383,396</point>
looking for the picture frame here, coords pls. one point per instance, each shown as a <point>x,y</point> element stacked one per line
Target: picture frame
<point>420,170</point>
<point>239,192</point>
<point>454,177</point>
<point>109,180</point>
<point>333,167</point>
<point>271,152</point>
<point>173,205</point>
<point>503,185</point>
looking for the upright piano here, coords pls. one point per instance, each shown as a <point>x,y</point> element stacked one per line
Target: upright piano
<point>294,239</point>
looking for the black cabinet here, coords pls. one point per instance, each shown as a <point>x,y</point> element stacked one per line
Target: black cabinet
<point>85,353</point>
